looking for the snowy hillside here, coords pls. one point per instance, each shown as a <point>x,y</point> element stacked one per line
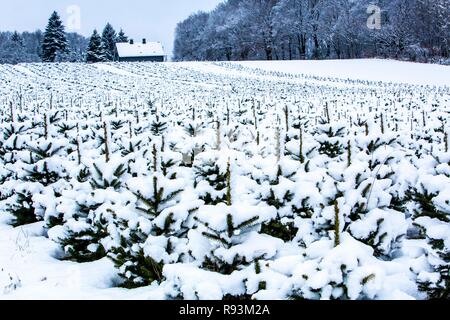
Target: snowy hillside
<point>363,69</point>
<point>255,180</point>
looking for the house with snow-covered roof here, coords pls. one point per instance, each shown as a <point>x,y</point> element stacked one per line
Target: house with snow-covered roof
<point>140,52</point>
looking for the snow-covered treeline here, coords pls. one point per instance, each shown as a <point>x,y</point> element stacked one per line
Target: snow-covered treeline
<point>26,47</point>
<point>54,44</point>
<point>217,181</point>
<point>415,30</point>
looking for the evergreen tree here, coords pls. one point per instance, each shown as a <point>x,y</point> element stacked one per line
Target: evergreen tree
<point>157,195</point>
<point>95,50</point>
<point>121,37</point>
<point>17,39</point>
<point>210,178</point>
<point>228,229</point>
<point>90,216</point>
<point>109,37</point>
<point>54,39</point>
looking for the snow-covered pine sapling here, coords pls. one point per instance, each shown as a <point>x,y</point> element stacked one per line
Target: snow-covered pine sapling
<point>87,216</point>
<point>152,106</point>
<point>296,149</point>
<point>117,124</point>
<point>231,229</point>
<point>136,116</point>
<point>330,137</point>
<point>349,153</point>
<point>78,146</point>
<point>146,244</point>
<point>425,205</point>
<point>279,192</point>
<point>277,141</point>
<point>383,230</point>
<point>101,181</point>
<point>210,178</point>
<point>155,203</point>
<point>327,113</point>
<point>286,117</point>
<point>106,137</point>
<point>10,146</point>
<point>136,269</point>
<point>301,157</point>
<point>255,118</point>
<point>81,241</point>
<point>12,113</point>
<point>156,198</point>
<point>445,140</point>
<point>158,126</point>
<point>21,208</point>
<point>65,129</point>
<point>262,285</point>
<point>192,145</point>
<point>46,125</point>
<point>130,130</point>
<point>155,158</point>
<point>362,124</point>
<point>218,135</point>
<point>40,175</point>
<point>228,175</point>
<point>337,237</point>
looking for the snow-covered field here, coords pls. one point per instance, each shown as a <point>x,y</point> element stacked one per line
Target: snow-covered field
<point>274,180</point>
<point>363,69</point>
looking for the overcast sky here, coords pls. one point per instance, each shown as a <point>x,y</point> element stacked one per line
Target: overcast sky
<point>152,19</point>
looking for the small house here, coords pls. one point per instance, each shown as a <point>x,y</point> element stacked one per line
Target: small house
<point>140,52</point>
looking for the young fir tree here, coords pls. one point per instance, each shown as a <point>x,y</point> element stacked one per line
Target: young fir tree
<point>156,194</point>
<point>210,178</point>
<point>87,227</point>
<point>41,169</point>
<point>330,137</point>
<point>109,42</point>
<point>229,229</point>
<point>95,52</point>
<point>432,212</point>
<point>55,40</point>
<point>279,193</point>
<point>158,126</point>
<point>90,217</point>
<point>9,148</point>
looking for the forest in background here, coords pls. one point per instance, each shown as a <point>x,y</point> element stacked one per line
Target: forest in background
<point>25,47</point>
<point>56,45</point>
<point>414,30</point>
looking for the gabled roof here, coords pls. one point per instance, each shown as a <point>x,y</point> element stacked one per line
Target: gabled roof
<point>149,49</point>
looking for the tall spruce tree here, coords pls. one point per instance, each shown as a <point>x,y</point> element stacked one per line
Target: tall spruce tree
<point>95,51</point>
<point>109,37</point>
<point>55,40</point>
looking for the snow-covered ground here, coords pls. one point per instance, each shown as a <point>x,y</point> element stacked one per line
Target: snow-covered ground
<point>293,179</point>
<point>363,69</point>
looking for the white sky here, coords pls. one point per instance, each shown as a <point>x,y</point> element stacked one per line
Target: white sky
<point>152,19</point>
